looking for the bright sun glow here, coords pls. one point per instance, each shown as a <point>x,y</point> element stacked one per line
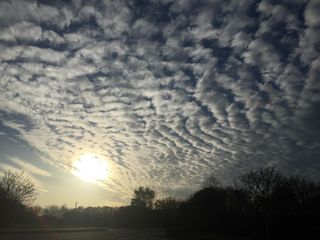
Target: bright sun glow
<point>90,168</point>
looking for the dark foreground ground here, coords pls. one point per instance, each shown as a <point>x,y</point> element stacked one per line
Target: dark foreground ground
<point>86,235</point>
<point>99,234</point>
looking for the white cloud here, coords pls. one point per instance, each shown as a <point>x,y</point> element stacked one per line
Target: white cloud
<point>167,101</point>
<point>28,167</point>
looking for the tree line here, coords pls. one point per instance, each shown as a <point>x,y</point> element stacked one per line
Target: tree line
<point>262,203</point>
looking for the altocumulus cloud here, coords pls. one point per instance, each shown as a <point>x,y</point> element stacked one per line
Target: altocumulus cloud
<point>167,91</point>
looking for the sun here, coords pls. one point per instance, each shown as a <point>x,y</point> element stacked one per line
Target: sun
<point>90,168</point>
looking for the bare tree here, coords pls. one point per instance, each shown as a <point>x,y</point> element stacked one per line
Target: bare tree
<point>211,182</point>
<point>143,197</point>
<point>167,203</point>
<point>18,187</point>
<point>260,184</point>
<point>302,189</point>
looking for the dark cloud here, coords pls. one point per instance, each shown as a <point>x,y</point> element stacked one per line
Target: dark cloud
<point>168,91</point>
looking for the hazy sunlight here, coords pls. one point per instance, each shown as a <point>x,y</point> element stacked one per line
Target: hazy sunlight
<point>90,168</point>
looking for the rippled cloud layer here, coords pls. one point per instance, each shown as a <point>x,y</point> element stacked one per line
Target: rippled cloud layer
<point>167,91</point>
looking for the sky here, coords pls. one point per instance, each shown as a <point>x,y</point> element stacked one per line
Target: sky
<point>165,92</point>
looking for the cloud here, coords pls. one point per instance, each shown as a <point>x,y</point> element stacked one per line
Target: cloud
<point>21,167</point>
<point>5,167</point>
<point>25,166</point>
<point>166,96</point>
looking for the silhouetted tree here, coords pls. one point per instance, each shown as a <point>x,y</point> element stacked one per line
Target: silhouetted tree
<point>206,210</point>
<point>263,203</point>
<point>16,192</point>
<point>167,211</point>
<point>143,197</point>
<point>18,187</point>
<point>273,197</point>
<point>302,189</point>
<point>259,185</point>
<point>211,182</point>
<point>55,212</point>
<point>167,203</point>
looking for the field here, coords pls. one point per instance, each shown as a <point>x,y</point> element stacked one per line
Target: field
<point>82,234</point>
<point>100,234</point>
